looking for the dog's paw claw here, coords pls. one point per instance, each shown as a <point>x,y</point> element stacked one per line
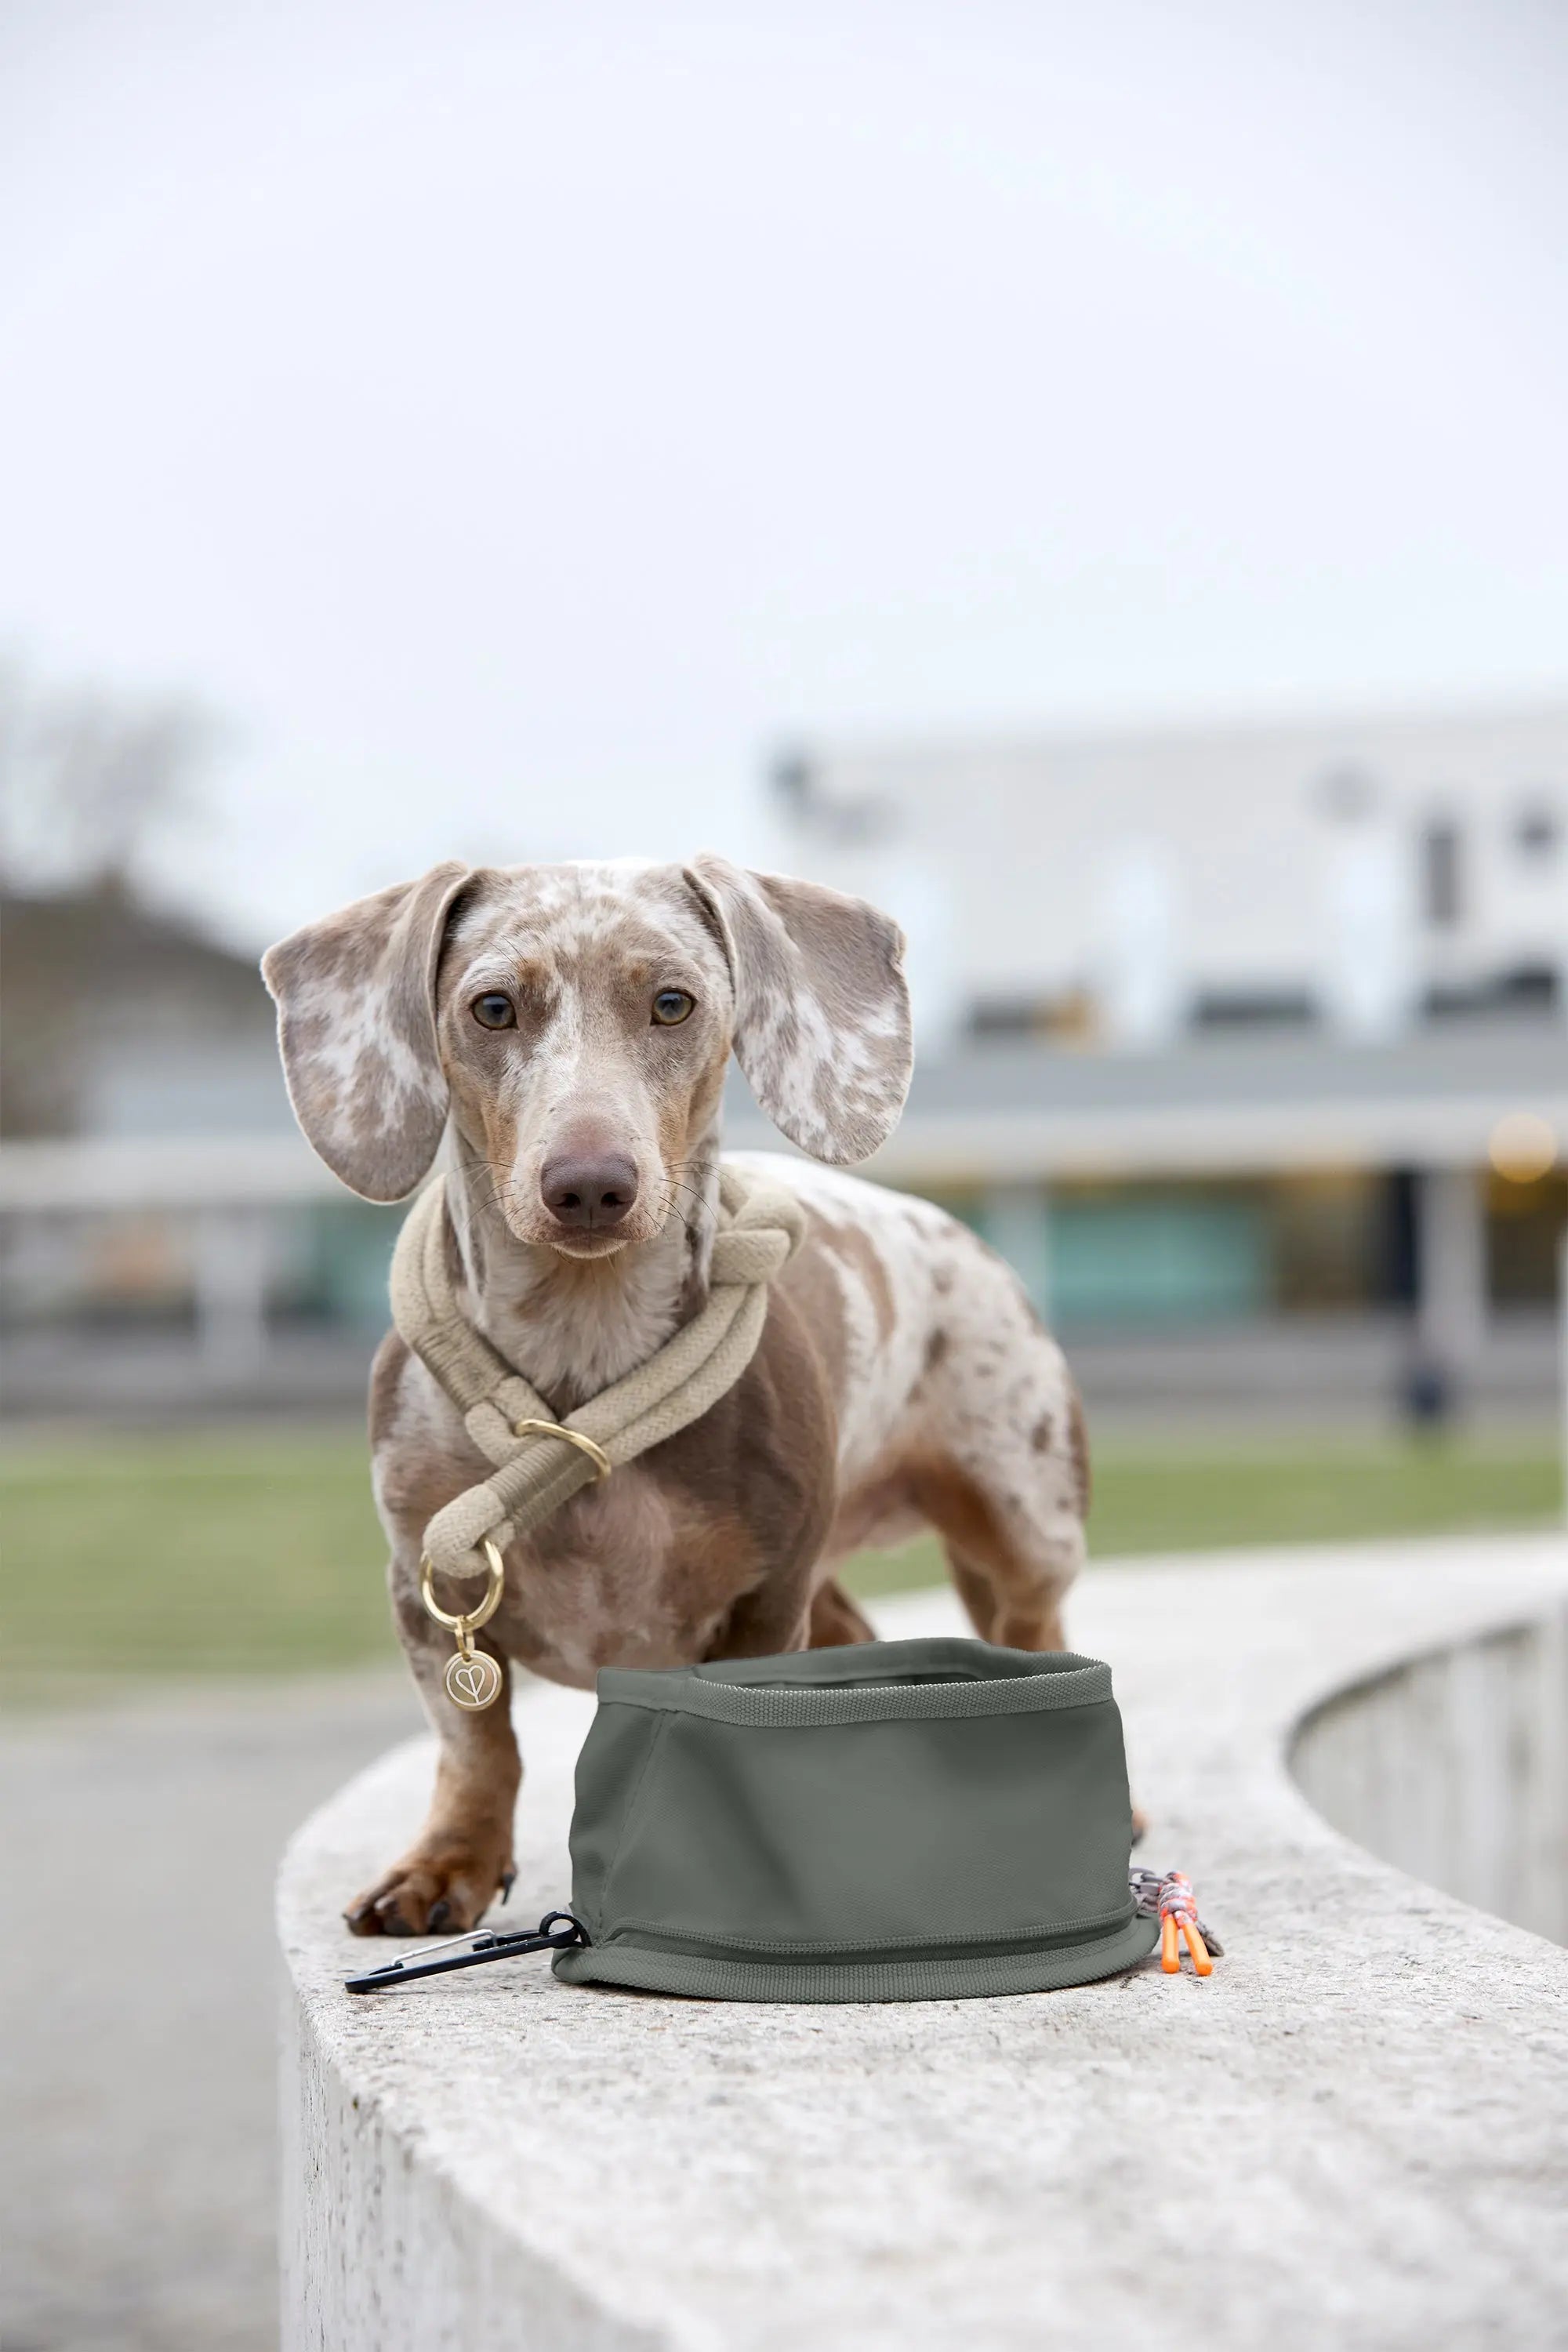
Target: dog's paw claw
<point>427,1894</point>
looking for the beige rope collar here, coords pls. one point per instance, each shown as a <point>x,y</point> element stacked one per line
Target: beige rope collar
<point>539,1461</point>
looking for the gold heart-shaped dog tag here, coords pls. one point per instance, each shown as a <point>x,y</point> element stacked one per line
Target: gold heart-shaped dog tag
<point>473,1679</point>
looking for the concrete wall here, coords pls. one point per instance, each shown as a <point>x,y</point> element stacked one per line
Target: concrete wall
<point>1454,1767</point>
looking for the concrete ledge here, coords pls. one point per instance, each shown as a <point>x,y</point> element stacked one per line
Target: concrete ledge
<point>1455,1767</point>
<point>1355,2132</point>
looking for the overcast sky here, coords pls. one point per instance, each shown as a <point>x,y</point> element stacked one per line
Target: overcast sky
<point>514,421</point>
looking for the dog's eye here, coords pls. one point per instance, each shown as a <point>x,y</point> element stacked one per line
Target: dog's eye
<point>670,1006</point>
<point>493,1011</point>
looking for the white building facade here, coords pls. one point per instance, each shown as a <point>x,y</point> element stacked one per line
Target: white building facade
<point>1226,1026</point>
<point>1362,874</point>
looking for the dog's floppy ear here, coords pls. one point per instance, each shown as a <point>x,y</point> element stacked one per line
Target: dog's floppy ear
<point>821,1012</point>
<point>356,1028</point>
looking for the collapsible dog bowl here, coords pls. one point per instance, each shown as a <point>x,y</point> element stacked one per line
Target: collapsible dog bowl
<point>897,1821</point>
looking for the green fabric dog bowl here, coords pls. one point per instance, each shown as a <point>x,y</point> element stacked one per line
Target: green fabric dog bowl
<point>896,1821</point>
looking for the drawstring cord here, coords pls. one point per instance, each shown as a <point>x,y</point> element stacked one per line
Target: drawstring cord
<point>1168,1897</point>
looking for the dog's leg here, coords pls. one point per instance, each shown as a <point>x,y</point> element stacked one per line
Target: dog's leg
<point>834,1619</point>
<point>1012,1592</point>
<point>1007,1495</point>
<point>975,1589</point>
<point>462,1856</point>
<point>1011,1519</point>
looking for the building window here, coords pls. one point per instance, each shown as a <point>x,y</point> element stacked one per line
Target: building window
<point>1537,832</point>
<point>1441,891</point>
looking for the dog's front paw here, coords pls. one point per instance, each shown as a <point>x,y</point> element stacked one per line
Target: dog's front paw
<point>433,1890</point>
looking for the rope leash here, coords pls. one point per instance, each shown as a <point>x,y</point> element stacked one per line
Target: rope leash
<point>541,1462</point>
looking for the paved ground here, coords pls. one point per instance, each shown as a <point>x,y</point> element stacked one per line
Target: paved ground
<point>139,1978</point>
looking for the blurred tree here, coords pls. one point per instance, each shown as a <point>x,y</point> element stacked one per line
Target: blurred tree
<point>88,779</point>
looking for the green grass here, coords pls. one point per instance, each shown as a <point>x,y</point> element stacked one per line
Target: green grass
<point>1208,1496</point>
<point>191,1554</point>
<point>199,1554</point>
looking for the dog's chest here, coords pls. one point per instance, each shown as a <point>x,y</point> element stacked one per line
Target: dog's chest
<point>625,1575</point>
<point>649,1567</point>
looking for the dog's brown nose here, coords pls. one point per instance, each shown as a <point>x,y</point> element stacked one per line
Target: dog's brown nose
<point>589,1194</point>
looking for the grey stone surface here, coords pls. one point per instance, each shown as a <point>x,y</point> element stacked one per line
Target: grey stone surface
<point>138,2004</point>
<point>1356,2131</point>
<point>1456,1768</point>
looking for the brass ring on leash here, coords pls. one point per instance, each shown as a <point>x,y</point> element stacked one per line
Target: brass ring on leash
<point>468,1621</point>
<point>584,1445</point>
<point>473,1678</point>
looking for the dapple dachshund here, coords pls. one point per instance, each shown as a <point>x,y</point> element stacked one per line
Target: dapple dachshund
<point>570,1026</point>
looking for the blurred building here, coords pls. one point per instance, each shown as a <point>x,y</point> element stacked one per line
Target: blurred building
<point>164,1234</point>
<point>1257,1036</point>
<point>1355,878</point>
<point>123,1021</point>
<point>1248,1047</point>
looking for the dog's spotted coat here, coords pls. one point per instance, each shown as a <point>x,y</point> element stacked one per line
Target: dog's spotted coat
<point>902,1379</point>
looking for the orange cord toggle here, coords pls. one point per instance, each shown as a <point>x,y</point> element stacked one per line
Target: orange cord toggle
<point>1179,1908</point>
<point>1168,1897</point>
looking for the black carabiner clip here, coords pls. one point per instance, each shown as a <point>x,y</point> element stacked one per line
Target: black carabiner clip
<point>558,1931</point>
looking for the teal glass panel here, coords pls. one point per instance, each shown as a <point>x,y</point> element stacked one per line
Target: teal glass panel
<point>1158,1260</point>
<point>348,1257</point>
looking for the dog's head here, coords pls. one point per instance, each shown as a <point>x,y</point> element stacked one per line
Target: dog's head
<point>575,1022</point>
